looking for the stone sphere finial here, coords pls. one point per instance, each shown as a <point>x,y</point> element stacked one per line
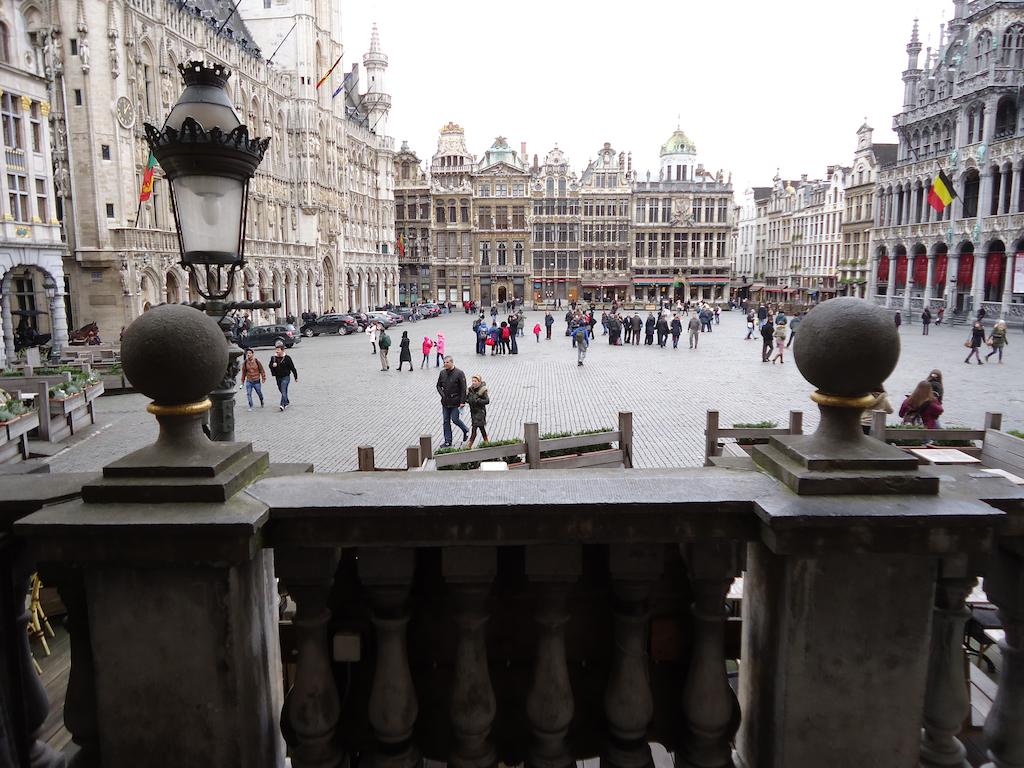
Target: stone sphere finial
<point>847,347</point>
<point>174,354</point>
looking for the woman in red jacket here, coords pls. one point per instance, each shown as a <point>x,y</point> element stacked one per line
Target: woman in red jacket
<point>921,407</point>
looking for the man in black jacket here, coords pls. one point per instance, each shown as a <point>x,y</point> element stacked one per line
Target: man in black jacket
<point>637,325</point>
<point>768,336</point>
<point>451,385</point>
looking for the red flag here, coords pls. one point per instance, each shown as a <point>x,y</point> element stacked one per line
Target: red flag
<point>147,180</point>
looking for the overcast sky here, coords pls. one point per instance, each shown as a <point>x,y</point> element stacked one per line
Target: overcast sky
<point>756,85</point>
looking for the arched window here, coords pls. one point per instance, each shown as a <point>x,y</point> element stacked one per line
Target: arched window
<point>502,254</point>
<point>925,143</point>
<point>518,248</point>
<point>550,186</point>
<point>915,143</point>
<point>5,43</point>
<point>972,119</point>
<point>1012,54</point>
<point>148,87</point>
<point>947,136</point>
<point>561,186</point>
<point>1006,118</point>
<point>452,217</point>
<point>982,51</point>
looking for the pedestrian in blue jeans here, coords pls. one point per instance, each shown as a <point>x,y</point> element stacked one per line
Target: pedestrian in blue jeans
<point>253,376</point>
<point>451,385</point>
<point>282,368</point>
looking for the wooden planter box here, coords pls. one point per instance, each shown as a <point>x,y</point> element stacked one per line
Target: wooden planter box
<point>112,381</point>
<point>62,407</point>
<point>14,437</point>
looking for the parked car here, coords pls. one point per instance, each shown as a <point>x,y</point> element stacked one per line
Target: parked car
<point>433,310</point>
<point>331,324</point>
<point>381,317</point>
<point>269,335</point>
<point>360,317</point>
<point>408,313</point>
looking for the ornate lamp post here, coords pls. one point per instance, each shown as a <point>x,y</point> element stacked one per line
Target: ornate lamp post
<point>209,158</point>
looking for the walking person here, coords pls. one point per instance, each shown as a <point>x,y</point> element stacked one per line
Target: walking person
<point>998,340</point>
<point>549,321</point>
<point>767,337</point>
<point>926,321</point>
<point>513,331</point>
<point>383,345</point>
<point>677,330</point>
<point>253,376</point>
<point>663,330</point>
<point>536,331</point>
<point>582,334</point>
<point>404,353</point>
<point>282,369</point>
<point>694,328</point>
<point>372,333</point>
<point>477,398</point>
<point>428,345</point>
<point>506,337</point>
<point>793,326</point>
<point>439,346</point>
<point>899,319</point>
<point>451,386</point>
<point>780,342</point>
<point>921,407</point>
<point>941,314</point>
<point>975,342</point>
<point>750,325</point>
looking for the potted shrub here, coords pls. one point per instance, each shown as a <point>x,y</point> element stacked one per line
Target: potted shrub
<point>574,451</point>
<point>749,441</point>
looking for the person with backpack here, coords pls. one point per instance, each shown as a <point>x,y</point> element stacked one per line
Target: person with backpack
<point>481,338</point>
<point>506,336</point>
<point>582,336</point>
<point>384,344</point>
<point>998,340</point>
<point>253,376</point>
<point>282,369</point>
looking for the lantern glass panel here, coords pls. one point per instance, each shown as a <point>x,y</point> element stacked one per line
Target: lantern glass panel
<point>210,216</point>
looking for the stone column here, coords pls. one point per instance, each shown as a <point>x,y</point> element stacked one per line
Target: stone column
<point>292,302</point>
<point>189,573</point>
<point>1007,296</point>
<point>1004,727</point>
<point>1015,173</point>
<point>978,280</point>
<point>549,704</point>
<point>58,322</point>
<point>469,573</point>
<point>958,201</point>
<point>628,701</point>
<point>929,280</point>
<point>985,193</point>
<point>8,323</point>
<point>947,703</point>
<point>873,276</point>
<point>890,290</point>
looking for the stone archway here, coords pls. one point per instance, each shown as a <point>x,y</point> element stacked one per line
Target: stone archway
<point>31,316</point>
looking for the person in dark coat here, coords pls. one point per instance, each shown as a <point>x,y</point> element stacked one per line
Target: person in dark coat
<point>404,354</point>
<point>977,339</point>
<point>451,386</point>
<point>477,398</point>
<point>662,331</point>
<point>926,321</point>
<point>282,369</point>
<point>627,327</point>
<point>677,330</point>
<point>549,321</point>
<point>513,327</point>
<point>768,339</point>
<point>649,329</point>
<point>614,327</point>
<point>638,325</point>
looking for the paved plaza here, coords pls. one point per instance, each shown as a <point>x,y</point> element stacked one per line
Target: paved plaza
<point>342,399</point>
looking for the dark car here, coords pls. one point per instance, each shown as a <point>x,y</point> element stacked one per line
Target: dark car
<point>269,335</point>
<point>330,324</point>
<point>408,313</point>
<point>360,317</point>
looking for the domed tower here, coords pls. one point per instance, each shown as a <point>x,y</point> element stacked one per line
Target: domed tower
<point>377,100</point>
<point>678,158</point>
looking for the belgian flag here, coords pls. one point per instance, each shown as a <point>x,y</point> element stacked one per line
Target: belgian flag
<point>941,192</point>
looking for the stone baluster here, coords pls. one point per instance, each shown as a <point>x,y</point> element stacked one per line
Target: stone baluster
<point>947,704</point>
<point>628,702</point>
<point>550,705</point>
<point>710,709</point>
<point>311,708</point>
<point>469,572</point>
<point>1004,727</point>
<point>393,707</point>
<point>80,698</point>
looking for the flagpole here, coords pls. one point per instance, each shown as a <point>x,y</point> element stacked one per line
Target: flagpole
<point>138,213</point>
<point>271,59</point>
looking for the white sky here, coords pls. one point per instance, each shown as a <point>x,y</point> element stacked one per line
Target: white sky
<point>757,85</point>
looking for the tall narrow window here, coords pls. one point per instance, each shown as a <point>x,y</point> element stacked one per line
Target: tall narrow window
<point>5,43</point>
<point>42,201</point>
<point>10,111</point>
<point>17,191</point>
<point>36,122</point>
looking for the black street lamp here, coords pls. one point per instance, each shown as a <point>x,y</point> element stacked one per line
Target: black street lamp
<point>209,158</point>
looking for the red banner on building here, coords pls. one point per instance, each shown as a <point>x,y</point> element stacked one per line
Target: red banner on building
<point>901,271</point>
<point>920,271</point>
<point>883,269</point>
<point>941,265</point>
<point>966,271</point>
<point>994,267</point>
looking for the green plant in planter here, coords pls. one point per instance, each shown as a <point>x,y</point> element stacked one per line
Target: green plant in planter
<point>574,451</point>
<point>12,372</point>
<point>1016,433</point>
<point>476,464</point>
<point>754,425</point>
<point>6,415</point>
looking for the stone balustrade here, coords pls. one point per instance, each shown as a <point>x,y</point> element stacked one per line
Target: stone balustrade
<point>538,617</point>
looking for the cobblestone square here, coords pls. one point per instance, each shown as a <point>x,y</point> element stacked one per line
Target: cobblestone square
<point>342,399</point>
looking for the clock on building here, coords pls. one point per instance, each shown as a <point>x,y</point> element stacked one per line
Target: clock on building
<point>125,112</point>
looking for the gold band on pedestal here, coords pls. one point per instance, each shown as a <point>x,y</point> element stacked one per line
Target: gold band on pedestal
<point>838,401</point>
<point>185,409</point>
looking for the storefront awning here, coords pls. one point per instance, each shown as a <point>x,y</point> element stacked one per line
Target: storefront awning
<point>655,280</point>
<point>606,284</point>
